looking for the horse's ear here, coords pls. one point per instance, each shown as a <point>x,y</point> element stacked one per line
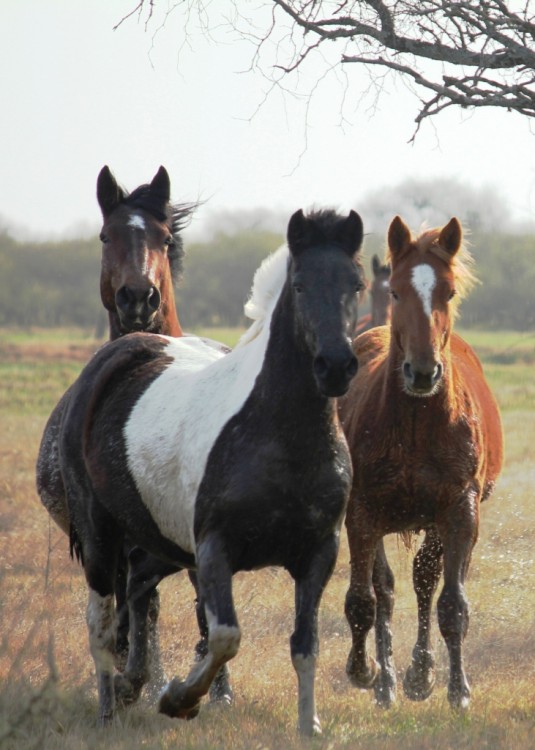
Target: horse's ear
<point>161,185</point>
<point>451,236</point>
<point>109,194</point>
<point>298,232</point>
<point>399,236</point>
<point>376,265</point>
<point>352,232</point>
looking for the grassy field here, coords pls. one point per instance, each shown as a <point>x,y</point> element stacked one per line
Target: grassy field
<point>47,686</point>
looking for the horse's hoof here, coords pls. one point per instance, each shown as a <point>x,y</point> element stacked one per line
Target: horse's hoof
<point>363,679</point>
<point>310,730</point>
<point>127,691</point>
<point>385,697</point>
<point>459,701</point>
<point>418,684</point>
<point>221,693</point>
<point>176,703</point>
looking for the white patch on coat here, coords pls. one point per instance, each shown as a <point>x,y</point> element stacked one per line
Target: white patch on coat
<point>175,423</point>
<point>102,627</point>
<point>136,221</point>
<point>305,667</point>
<point>424,280</point>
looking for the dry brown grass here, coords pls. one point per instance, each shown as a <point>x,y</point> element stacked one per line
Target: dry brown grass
<point>47,687</point>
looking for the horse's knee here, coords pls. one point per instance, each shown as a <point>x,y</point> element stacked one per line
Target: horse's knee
<point>224,641</point>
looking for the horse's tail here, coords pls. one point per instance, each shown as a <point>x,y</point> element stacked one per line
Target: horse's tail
<point>75,548</point>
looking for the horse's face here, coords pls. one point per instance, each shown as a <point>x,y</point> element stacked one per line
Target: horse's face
<point>135,266</point>
<point>135,270</point>
<point>380,292</point>
<point>324,281</point>
<point>422,287</point>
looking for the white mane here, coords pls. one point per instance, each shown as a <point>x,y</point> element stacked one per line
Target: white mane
<point>268,281</point>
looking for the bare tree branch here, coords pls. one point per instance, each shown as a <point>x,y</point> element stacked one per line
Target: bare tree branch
<point>466,53</point>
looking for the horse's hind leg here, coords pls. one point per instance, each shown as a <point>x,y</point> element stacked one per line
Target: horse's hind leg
<point>182,699</point>
<point>100,560</point>
<point>220,689</point>
<point>383,583</point>
<point>145,573</point>
<point>419,679</point>
<point>458,538</point>
<point>304,641</point>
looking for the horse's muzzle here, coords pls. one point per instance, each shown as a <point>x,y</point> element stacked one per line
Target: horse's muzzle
<point>333,373</point>
<point>137,306</point>
<point>422,380</point>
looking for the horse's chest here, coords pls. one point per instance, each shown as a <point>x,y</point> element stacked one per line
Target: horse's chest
<point>272,505</point>
<point>408,477</point>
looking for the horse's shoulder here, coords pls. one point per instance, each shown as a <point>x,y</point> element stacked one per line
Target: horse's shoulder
<point>371,344</point>
<point>464,354</point>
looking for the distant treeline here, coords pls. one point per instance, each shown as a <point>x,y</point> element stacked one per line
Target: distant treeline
<point>57,283</point>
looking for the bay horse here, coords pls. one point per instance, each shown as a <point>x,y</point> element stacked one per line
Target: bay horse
<point>142,261</point>
<point>426,442</point>
<point>222,462</point>
<point>380,297</point>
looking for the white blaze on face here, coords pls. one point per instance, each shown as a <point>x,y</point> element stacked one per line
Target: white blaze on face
<point>424,280</point>
<point>136,222</point>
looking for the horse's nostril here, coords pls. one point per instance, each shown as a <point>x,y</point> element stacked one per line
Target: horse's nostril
<point>154,299</point>
<point>122,297</point>
<point>407,370</point>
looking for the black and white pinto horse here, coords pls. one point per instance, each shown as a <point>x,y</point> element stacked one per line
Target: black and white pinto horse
<point>222,462</point>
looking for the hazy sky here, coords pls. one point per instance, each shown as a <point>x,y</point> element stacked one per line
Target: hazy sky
<point>76,95</point>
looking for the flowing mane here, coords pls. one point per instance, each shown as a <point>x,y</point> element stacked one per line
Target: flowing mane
<point>268,281</point>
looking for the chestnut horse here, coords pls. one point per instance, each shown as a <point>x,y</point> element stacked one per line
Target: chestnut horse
<point>222,462</point>
<point>426,441</point>
<point>142,260</point>
<point>380,297</point>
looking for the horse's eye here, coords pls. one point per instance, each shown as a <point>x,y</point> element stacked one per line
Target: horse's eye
<point>104,238</point>
<point>394,295</point>
<point>169,240</point>
<point>452,294</point>
<point>298,288</point>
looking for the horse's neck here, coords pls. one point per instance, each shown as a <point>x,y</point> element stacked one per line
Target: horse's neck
<point>169,324</point>
<point>286,381</point>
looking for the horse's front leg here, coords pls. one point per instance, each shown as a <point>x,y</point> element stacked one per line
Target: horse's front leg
<point>360,603</point>
<point>419,679</point>
<point>220,689</point>
<point>458,536</point>
<point>383,583</point>
<point>304,641</point>
<point>214,575</point>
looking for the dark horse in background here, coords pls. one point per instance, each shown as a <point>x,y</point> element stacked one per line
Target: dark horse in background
<point>426,442</point>
<point>221,462</point>
<point>380,297</point>
<point>142,261</point>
